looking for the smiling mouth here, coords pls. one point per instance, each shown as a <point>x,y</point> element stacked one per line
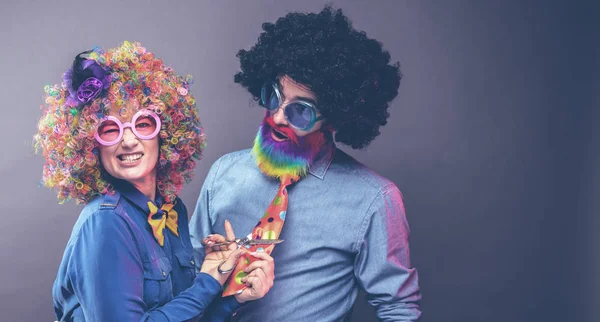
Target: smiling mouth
<point>278,136</point>
<point>130,158</point>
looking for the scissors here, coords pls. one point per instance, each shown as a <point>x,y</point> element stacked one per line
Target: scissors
<point>247,241</point>
<point>244,242</point>
<point>240,242</point>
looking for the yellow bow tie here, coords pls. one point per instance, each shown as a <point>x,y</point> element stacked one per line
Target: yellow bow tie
<point>168,219</point>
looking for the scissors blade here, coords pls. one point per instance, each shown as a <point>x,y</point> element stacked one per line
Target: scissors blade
<point>264,241</point>
<point>248,241</point>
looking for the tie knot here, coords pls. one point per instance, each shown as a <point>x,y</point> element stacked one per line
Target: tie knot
<point>287,180</point>
<point>159,213</point>
<point>156,212</point>
<point>167,207</point>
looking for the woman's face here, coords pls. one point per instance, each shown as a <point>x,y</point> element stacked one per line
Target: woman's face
<point>132,159</point>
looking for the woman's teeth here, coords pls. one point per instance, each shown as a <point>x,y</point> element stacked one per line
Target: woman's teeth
<point>129,158</point>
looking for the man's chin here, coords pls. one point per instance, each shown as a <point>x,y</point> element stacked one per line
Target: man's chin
<point>280,145</point>
<point>277,152</point>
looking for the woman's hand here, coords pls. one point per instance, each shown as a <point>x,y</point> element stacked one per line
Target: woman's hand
<point>259,279</point>
<point>216,254</point>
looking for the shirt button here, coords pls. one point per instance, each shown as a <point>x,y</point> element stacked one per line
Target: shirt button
<point>164,274</point>
<point>192,261</point>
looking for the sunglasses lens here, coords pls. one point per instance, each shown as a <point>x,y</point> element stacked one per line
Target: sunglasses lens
<point>268,97</point>
<point>299,115</point>
<point>145,125</point>
<point>108,131</point>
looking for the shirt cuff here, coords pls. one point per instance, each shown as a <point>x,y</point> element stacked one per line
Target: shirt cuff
<point>231,303</point>
<point>208,282</point>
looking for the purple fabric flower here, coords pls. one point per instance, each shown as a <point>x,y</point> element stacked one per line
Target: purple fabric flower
<point>90,88</point>
<point>85,80</point>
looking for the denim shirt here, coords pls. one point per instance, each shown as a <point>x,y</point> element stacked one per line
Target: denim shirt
<point>113,269</point>
<point>345,229</point>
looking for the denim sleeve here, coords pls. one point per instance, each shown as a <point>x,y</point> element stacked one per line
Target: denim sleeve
<point>107,274</point>
<point>382,265</point>
<point>221,309</point>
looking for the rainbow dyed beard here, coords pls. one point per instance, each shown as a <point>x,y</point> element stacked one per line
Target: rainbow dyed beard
<point>276,159</point>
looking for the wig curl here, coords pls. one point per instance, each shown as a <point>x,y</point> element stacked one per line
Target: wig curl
<point>66,132</point>
<point>350,73</point>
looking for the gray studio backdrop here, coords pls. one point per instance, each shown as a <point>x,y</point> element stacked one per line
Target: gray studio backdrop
<point>485,138</point>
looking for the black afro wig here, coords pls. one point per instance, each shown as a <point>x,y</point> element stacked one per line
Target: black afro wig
<point>350,73</point>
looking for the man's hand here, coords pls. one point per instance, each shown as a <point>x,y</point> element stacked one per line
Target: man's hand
<point>259,280</point>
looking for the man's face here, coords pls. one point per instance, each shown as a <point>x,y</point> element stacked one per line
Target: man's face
<point>284,138</point>
<point>291,90</point>
<point>281,148</point>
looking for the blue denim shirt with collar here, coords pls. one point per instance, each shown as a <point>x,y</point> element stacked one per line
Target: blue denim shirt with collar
<point>113,269</point>
<point>345,230</point>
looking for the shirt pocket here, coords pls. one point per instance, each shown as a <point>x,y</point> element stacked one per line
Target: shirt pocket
<point>158,288</point>
<point>187,264</point>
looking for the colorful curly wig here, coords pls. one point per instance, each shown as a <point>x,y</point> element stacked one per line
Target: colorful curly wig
<point>349,72</point>
<point>66,130</point>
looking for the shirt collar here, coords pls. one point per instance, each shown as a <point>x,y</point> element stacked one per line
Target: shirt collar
<point>139,199</point>
<point>322,161</point>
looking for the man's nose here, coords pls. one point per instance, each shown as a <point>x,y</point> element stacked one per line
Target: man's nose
<point>279,116</point>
